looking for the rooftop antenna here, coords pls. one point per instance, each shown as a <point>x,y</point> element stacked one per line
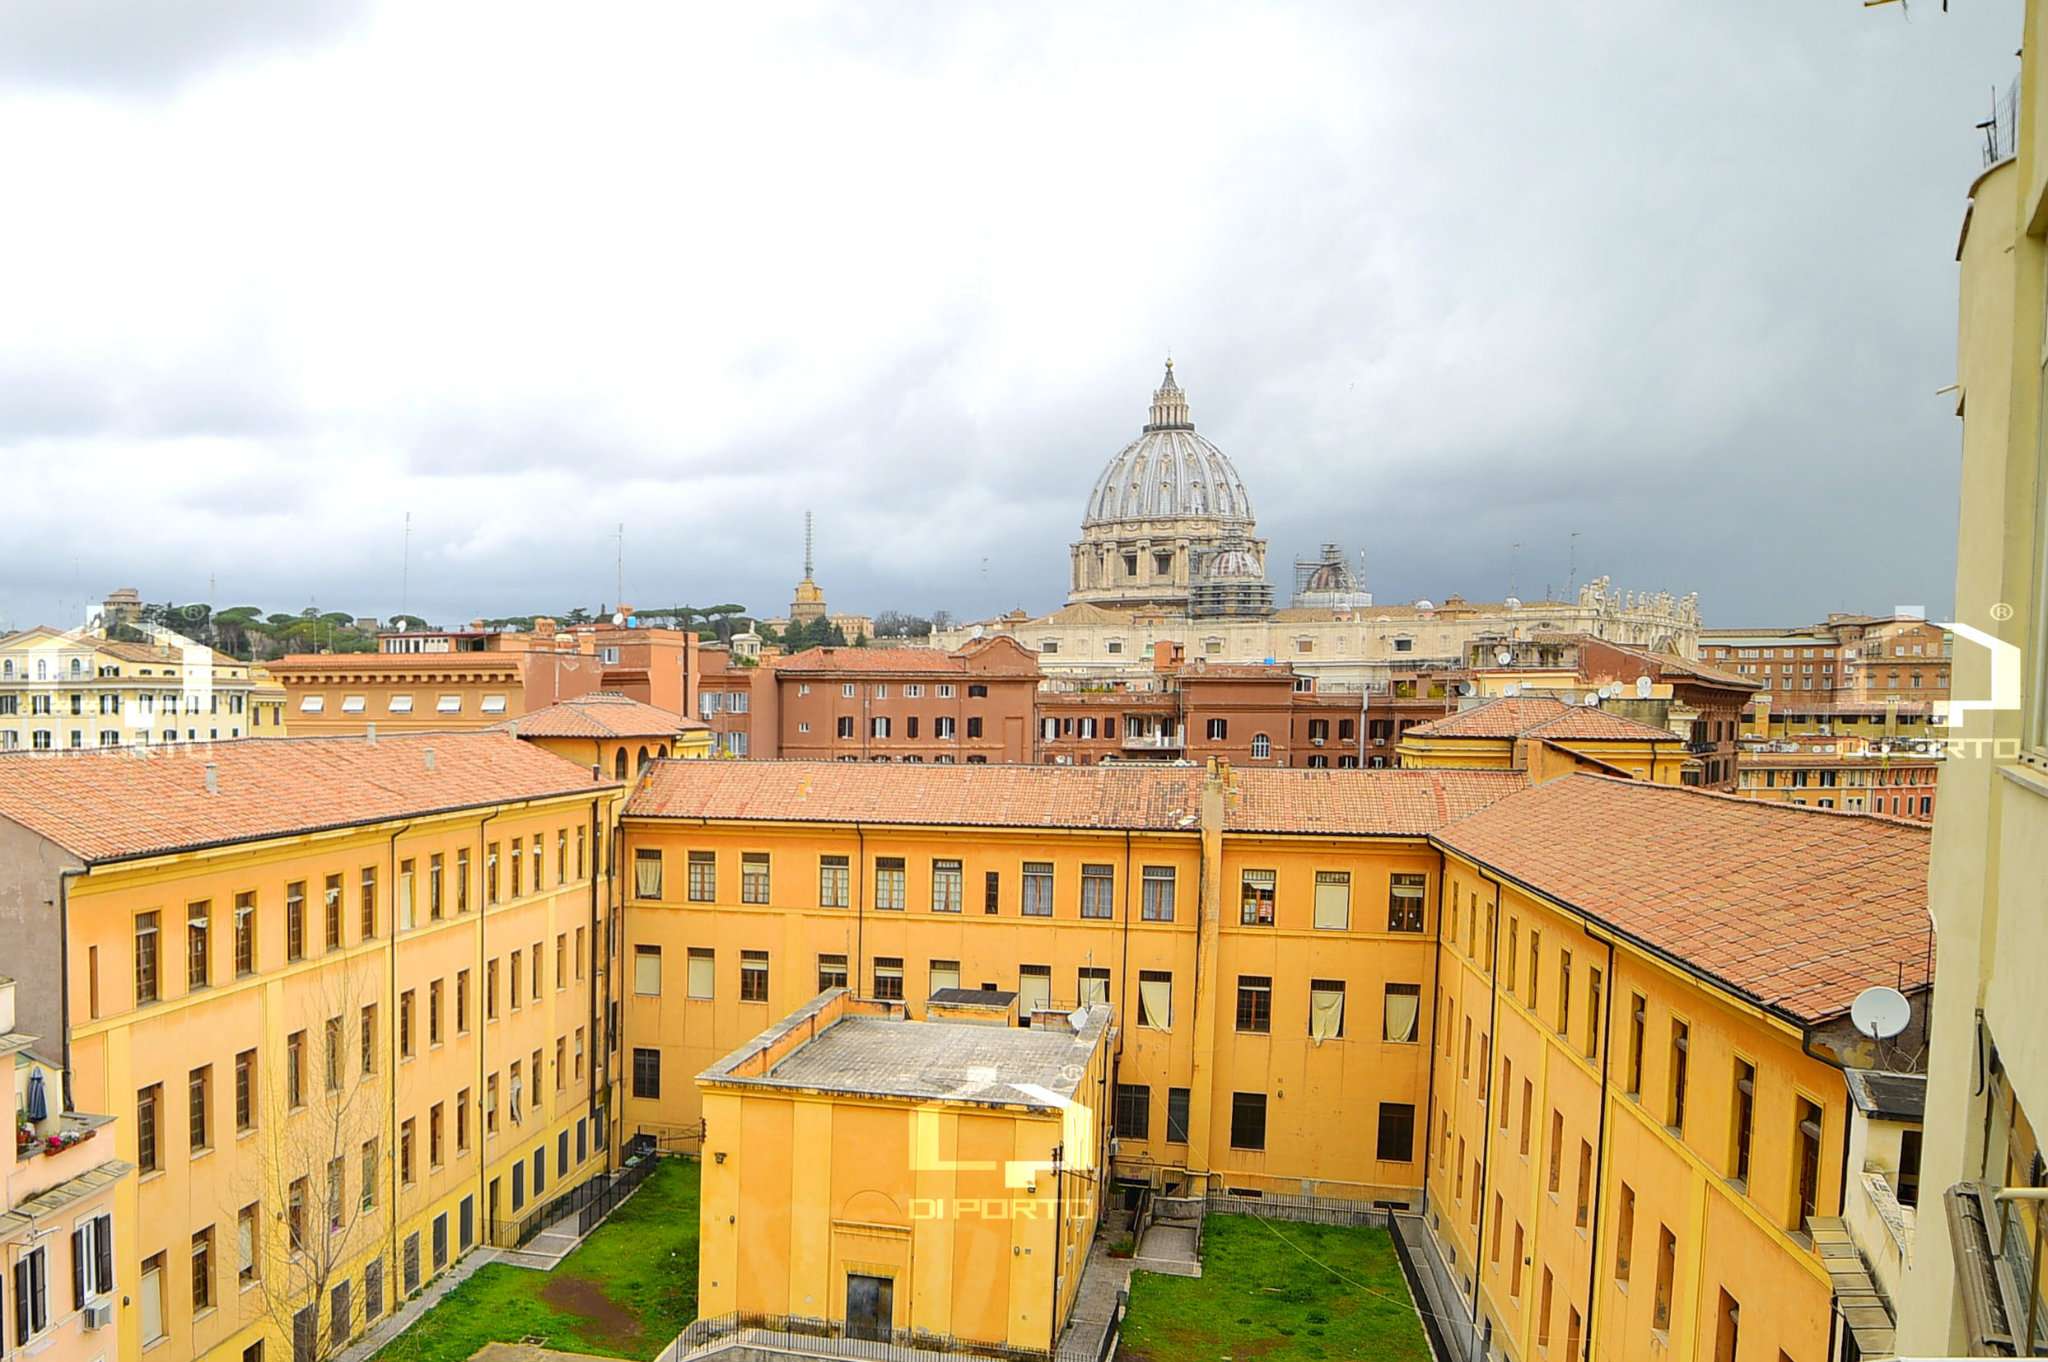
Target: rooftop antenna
<point>405,569</point>
<point>807,546</point>
<point>1514,566</point>
<point>619,591</point>
<point>1572,591</point>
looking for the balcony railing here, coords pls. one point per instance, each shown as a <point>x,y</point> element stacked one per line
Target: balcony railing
<point>1153,742</point>
<point>2002,129</point>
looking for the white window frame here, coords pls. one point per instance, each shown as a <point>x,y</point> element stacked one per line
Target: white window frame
<point>312,704</point>
<point>448,704</point>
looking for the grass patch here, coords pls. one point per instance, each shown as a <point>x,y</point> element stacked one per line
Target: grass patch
<point>625,1292</point>
<point>1259,1299</point>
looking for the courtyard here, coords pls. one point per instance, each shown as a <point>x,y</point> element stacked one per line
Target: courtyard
<point>624,1292</point>
<point>1278,1291</point>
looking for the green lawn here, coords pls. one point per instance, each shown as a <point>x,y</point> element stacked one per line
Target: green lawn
<point>1257,1298</point>
<point>625,1292</point>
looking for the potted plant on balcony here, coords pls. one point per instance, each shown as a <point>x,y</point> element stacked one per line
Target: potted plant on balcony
<point>24,1138</point>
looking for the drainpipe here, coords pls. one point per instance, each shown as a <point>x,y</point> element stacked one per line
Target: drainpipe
<point>391,1051</point>
<point>860,907</point>
<point>1600,1151</point>
<point>1436,972</point>
<point>590,1065</point>
<point>1486,1132</point>
<point>64,878</point>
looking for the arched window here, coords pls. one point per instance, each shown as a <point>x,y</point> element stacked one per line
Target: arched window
<point>619,764</point>
<point>643,761</point>
<point>1262,747</point>
<point>663,753</point>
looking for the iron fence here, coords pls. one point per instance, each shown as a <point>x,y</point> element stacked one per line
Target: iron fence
<point>1307,1210</point>
<point>829,1338</point>
<point>2002,129</point>
<point>590,1201</point>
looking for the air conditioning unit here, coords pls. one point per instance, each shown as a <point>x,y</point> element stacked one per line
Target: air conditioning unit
<point>1318,742</point>
<point>99,1313</point>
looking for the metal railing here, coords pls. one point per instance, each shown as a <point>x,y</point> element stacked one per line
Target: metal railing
<point>2002,129</point>
<point>829,1338</point>
<point>1153,742</point>
<point>1307,1210</point>
<point>589,1201</point>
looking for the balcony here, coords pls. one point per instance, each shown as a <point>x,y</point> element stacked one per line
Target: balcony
<point>1153,742</point>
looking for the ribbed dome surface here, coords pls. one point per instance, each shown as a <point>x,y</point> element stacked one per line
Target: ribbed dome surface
<point>1169,471</point>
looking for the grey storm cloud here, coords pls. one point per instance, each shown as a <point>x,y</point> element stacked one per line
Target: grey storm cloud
<point>1448,288</point>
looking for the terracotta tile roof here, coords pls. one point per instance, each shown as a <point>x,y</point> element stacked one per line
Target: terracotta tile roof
<point>1515,716</point>
<point>1120,797</point>
<point>1667,665</point>
<point>1008,657</point>
<point>113,803</point>
<point>601,714</point>
<point>1797,909</point>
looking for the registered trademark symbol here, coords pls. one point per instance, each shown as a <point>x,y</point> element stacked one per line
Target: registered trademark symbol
<point>2001,612</point>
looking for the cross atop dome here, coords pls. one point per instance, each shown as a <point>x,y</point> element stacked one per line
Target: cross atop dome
<point>1169,404</point>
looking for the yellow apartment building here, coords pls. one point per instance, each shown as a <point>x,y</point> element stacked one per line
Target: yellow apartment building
<point>60,1179</point>
<point>1976,1280</point>
<point>905,1180</point>
<point>358,981</point>
<point>1265,941</point>
<point>71,689</point>
<point>607,731</point>
<point>1640,1110</point>
<point>1595,1026</point>
<point>1545,736</point>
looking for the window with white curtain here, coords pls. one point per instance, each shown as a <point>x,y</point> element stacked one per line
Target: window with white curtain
<point>1155,999</point>
<point>1325,1009</point>
<point>1402,1013</point>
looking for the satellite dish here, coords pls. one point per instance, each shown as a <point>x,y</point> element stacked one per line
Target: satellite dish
<point>1642,688</point>
<point>619,617</point>
<point>1880,1012</point>
<point>1592,697</point>
<point>975,632</point>
<point>1424,606</point>
<point>1610,690</point>
<point>1464,688</point>
<point>1513,603</point>
<point>1512,689</point>
<point>1504,655</point>
<point>1078,1018</point>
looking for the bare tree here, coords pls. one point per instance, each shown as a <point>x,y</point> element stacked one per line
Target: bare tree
<point>316,1202</point>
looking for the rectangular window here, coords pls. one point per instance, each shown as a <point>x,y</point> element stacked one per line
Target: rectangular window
<point>1564,993</point>
<point>889,883</point>
<point>1397,1132</point>
<point>647,971</point>
<point>1625,1235</point>
<point>1098,891</point>
<point>703,877</point>
<point>198,1092</point>
<point>889,977</point>
<point>1156,903</point>
<point>646,1072</point>
<point>941,974</point>
<point>753,976</point>
<point>366,901</point>
<point>991,892</point>
<point>1247,1120</point>
<point>948,886</point>
<point>245,935</point>
<point>148,1105</point>
<point>1667,1270</point>
<point>753,877</point>
<point>1034,990</point>
<point>1177,1115</point>
<point>1255,898</point>
<point>646,872</point>
<point>145,958</point>
<point>1806,1188</point>
<point>295,920</point>
<point>1681,1046</point>
<point>831,972</point>
<point>1584,1208</point>
<point>1255,1003</point>
<point>1405,903</point>
<point>330,904</point>
<point>703,972</point>
<point>1594,984</point>
<point>834,882</point>
<point>152,1293</point>
<point>1403,1013</point>
<point>1155,999</point>
<point>1333,900</point>
<point>1637,1017</point>
<point>202,1270</point>
<point>247,1229</point>
<point>1037,889</point>
<point>198,956</point>
<point>1744,1121</point>
<point>245,1091</point>
<point>1091,985</point>
<point>295,1069</point>
<point>1134,1111</point>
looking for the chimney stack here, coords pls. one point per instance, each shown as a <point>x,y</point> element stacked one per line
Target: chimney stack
<point>430,759</point>
<point>370,735</point>
<point>212,778</point>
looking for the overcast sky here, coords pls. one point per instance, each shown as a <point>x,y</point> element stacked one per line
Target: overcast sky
<point>1438,278</point>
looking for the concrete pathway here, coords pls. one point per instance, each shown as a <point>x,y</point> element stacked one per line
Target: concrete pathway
<point>396,1323</point>
<point>1102,1278</point>
<point>1169,1249</point>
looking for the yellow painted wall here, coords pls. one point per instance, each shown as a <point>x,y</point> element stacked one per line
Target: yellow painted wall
<point>1727,1237</point>
<point>1308,1086</point>
<point>120,1048</point>
<point>970,1256</point>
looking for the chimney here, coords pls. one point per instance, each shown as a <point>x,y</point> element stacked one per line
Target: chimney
<point>370,735</point>
<point>212,778</point>
<point>430,759</point>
